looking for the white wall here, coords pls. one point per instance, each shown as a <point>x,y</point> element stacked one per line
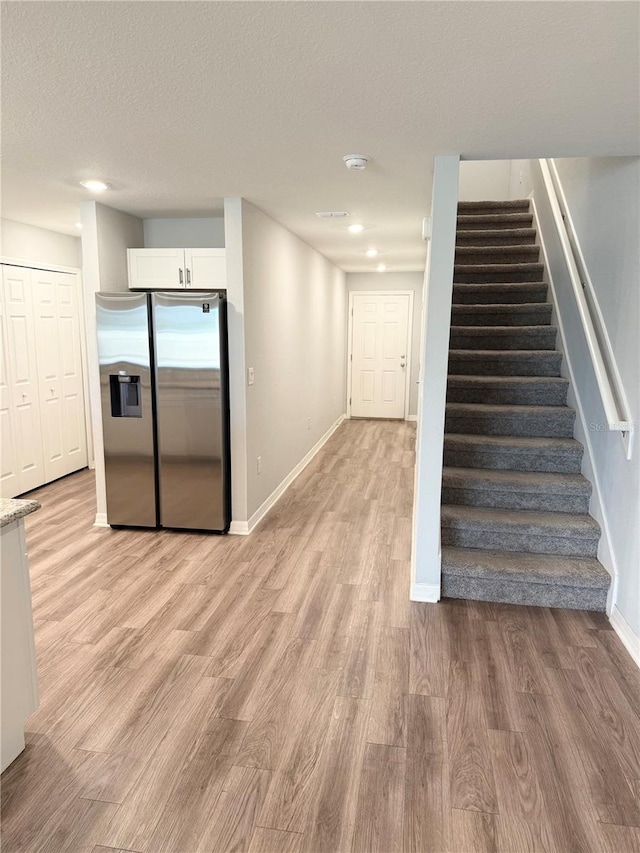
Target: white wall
<point>603,197</point>
<point>426,553</point>
<point>38,245</point>
<point>116,232</point>
<point>391,281</point>
<point>191,233</point>
<point>484,179</point>
<point>295,335</point>
<point>233,208</point>
<point>603,202</point>
<point>106,235</point>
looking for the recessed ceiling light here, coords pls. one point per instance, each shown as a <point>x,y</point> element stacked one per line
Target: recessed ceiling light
<point>94,186</point>
<point>356,228</point>
<point>381,268</point>
<point>371,253</point>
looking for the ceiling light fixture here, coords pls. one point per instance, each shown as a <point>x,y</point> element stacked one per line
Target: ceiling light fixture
<point>381,268</point>
<point>94,186</point>
<point>356,228</point>
<point>356,162</point>
<point>371,253</point>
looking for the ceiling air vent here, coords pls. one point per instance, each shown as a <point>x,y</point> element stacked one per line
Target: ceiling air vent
<point>333,214</point>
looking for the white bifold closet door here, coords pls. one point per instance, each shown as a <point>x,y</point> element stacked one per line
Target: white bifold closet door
<point>42,387</point>
<point>56,318</point>
<point>22,455</point>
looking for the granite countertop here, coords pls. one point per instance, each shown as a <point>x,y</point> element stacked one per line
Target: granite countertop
<point>11,510</point>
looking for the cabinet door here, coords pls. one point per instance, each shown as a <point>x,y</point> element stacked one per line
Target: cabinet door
<point>206,268</point>
<point>59,372</point>
<point>156,269</point>
<point>23,378</point>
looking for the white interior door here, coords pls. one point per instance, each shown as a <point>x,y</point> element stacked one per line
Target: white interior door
<point>20,406</point>
<point>9,470</point>
<point>379,352</point>
<point>59,372</point>
<point>74,434</point>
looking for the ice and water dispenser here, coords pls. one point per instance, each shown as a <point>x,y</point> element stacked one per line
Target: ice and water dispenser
<point>126,400</point>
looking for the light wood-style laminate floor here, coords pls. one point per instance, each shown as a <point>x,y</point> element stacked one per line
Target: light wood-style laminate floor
<point>280,694</point>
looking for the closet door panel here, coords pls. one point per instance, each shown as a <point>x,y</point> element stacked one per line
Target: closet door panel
<point>9,470</point>
<point>47,346</point>
<point>17,287</point>
<point>74,435</point>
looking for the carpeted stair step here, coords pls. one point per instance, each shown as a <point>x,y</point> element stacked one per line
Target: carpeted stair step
<point>515,490</point>
<point>493,314</point>
<point>571,534</point>
<point>505,362</point>
<point>541,580</point>
<point>500,293</point>
<point>526,421</point>
<point>511,205</point>
<point>496,237</point>
<point>493,221</point>
<point>497,254</point>
<point>513,453</point>
<point>503,337</point>
<point>507,272</point>
<point>508,390</point>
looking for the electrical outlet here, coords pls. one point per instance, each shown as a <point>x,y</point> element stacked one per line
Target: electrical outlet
<point>259,465</point>
<point>250,376</point>
<point>308,423</point>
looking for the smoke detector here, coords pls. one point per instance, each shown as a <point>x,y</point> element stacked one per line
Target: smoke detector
<point>356,162</point>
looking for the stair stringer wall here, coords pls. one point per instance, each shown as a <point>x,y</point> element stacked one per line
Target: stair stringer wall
<point>545,232</point>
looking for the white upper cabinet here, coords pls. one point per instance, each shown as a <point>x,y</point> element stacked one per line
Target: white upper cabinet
<point>171,269</point>
<point>156,269</point>
<point>206,269</point>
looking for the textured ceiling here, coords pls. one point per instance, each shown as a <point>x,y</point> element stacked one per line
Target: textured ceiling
<point>178,104</point>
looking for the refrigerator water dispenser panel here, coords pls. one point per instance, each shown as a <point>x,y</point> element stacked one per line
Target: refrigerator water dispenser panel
<point>126,399</point>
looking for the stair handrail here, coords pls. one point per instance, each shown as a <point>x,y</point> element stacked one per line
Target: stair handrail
<point>614,400</point>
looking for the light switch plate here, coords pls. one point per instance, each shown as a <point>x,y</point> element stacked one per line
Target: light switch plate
<point>250,376</point>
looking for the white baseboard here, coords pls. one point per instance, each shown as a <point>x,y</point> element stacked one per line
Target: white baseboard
<point>411,418</point>
<point>622,628</point>
<point>429,592</point>
<point>101,520</point>
<point>243,528</point>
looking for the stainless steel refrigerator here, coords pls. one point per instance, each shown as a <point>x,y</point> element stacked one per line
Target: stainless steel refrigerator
<point>165,410</point>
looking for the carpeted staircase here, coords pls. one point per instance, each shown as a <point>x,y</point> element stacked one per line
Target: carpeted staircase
<point>515,507</point>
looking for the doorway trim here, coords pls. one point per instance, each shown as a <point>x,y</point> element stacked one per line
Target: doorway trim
<point>407,384</point>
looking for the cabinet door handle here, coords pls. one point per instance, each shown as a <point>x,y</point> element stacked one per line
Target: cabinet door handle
<point>188,271</point>
<point>180,275</point>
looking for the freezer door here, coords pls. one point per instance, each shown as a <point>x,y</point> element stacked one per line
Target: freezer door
<point>190,410</point>
<point>127,410</point>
